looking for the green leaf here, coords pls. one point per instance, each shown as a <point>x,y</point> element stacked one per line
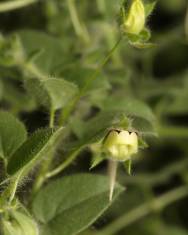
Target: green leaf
<point>10,51</point>
<point>53,92</point>
<point>130,107</point>
<point>149,7</point>
<point>128,166</point>
<point>133,38</point>
<point>98,126</point>
<point>96,160</point>
<point>17,99</point>
<point>142,45</point>
<point>115,115</point>
<point>33,150</point>
<point>140,41</point>
<point>141,143</point>
<point>145,35</point>
<point>79,75</point>
<point>12,134</point>
<point>69,205</point>
<point>52,51</point>
<point>144,127</point>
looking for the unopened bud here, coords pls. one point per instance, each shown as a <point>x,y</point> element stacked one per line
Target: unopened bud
<point>120,145</point>
<point>135,20</point>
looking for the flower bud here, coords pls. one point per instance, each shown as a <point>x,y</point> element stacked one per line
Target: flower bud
<point>27,224</point>
<point>135,20</point>
<point>19,224</point>
<point>10,228</point>
<point>121,145</point>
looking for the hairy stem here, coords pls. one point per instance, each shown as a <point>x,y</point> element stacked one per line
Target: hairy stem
<point>65,164</point>
<point>40,178</point>
<point>67,111</point>
<point>10,192</point>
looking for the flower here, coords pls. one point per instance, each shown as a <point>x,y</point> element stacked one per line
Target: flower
<point>135,21</point>
<point>121,144</point>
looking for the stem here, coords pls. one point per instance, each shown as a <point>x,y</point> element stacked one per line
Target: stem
<point>11,190</point>
<point>15,4</point>
<point>103,63</point>
<point>78,26</point>
<point>154,205</point>
<point>52,118</point>
<point>40,178</point>
<point>32,69</point>
<point>65,164</point>
<point>112,171</point>
<point>173,132</point>
<point>161,177</point>
<point>67,111</point>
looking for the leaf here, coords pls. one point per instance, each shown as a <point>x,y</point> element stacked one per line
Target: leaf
<point>12,134</point>
<point>131,107</point>
<point>144,127</point>
<point>80,75</point>
<point>69,205</point>
<point>52,50</point>
<point>149,7</point>
<point>96,160</point>
<point>11,51</point>
<point>113,116</point>
<point>145,35</point>
<point>98,126</point>
<point>142,144</point>
<point>33,149</point>
<point>140,41</point>
<point>142,45</point>
<point>17,99</point>
<point>77,126</point>
<point>52,92</point>
<point>128,166</point>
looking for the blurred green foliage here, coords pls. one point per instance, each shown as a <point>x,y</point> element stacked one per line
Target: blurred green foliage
<point>51,75</point>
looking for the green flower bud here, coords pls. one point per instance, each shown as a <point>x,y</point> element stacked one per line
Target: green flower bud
<point>26,223</point>
<point>19,224</point>
<point>135,21</point>
<point>10,228</point>
<point>121,145</point>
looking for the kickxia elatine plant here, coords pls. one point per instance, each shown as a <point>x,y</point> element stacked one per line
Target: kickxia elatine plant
<point>78,95</point>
